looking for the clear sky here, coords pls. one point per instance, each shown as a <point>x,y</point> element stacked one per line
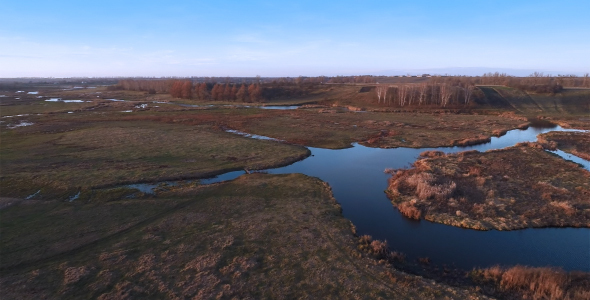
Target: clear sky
<point>291,38</point>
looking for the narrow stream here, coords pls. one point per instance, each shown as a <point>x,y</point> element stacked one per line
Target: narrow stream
<point>358,183</point>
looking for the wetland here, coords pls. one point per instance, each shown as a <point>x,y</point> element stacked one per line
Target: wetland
<point>98,203</point>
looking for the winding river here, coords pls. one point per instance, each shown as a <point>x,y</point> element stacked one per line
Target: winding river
<point>358,183</point>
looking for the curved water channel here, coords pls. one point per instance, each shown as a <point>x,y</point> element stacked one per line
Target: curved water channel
<point>358,183</point>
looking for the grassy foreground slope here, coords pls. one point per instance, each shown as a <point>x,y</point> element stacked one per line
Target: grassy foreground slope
<point>260,236</point>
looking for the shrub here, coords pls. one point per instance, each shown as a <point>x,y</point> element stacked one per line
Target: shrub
<point>408,210</point>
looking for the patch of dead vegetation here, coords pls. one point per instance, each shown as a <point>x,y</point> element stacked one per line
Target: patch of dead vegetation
<point>519,187</point>
<point>533,283</point>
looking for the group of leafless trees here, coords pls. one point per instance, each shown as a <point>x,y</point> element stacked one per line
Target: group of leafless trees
<point>218,92</point>
<point>460,90</point>
<point>431,93</point>
<point>186,89</point>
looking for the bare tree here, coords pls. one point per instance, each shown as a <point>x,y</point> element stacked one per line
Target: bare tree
<point>422,91</point>
<point>381,91</point>
<point>434,89</point>
<point>536,76</point>
<point>402,95</point>
<point>445,94</point>
<point>411,94</point>
<point>394,91</point>
<point>468,92</point>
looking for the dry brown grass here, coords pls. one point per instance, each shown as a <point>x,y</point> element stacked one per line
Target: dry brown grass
<point>409,210</point>
<point>379,250</point>
<point>536,283</point>
<point>258,237</point>
<point>340,128</point>
<point>426,186</point>
<point>513,188</point>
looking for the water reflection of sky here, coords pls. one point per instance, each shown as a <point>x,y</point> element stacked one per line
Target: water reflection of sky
<point>358,183</point>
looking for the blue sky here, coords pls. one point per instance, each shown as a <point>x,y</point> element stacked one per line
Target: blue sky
<point>291,38</point>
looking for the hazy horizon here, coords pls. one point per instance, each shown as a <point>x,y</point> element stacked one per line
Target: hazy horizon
<point>249,38</point>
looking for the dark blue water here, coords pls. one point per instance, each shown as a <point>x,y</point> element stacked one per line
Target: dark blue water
<point>358,183</point>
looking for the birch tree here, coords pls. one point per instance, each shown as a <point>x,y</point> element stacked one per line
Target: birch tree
<point>381,91</point>
<point>402,95</point>
<point>422,93</point>
<point>445,94</point>
<point>411,94</point>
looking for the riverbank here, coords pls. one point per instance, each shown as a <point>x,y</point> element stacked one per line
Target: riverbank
<point>504,189</point>
<point>576,143</point>
<point>259,236</point>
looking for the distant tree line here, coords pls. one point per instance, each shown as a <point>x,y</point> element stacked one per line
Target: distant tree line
<point>426,90</point>
<point>353,79</point>
<point>537,82</point>
<point>186,89</point>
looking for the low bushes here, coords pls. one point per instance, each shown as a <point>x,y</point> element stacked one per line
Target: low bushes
<point>535,283</point>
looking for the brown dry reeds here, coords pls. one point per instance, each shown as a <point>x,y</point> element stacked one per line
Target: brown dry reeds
<point>379,249</point>
<point>537,283</point>
<point>408,210</point>
<point>426,187</point>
